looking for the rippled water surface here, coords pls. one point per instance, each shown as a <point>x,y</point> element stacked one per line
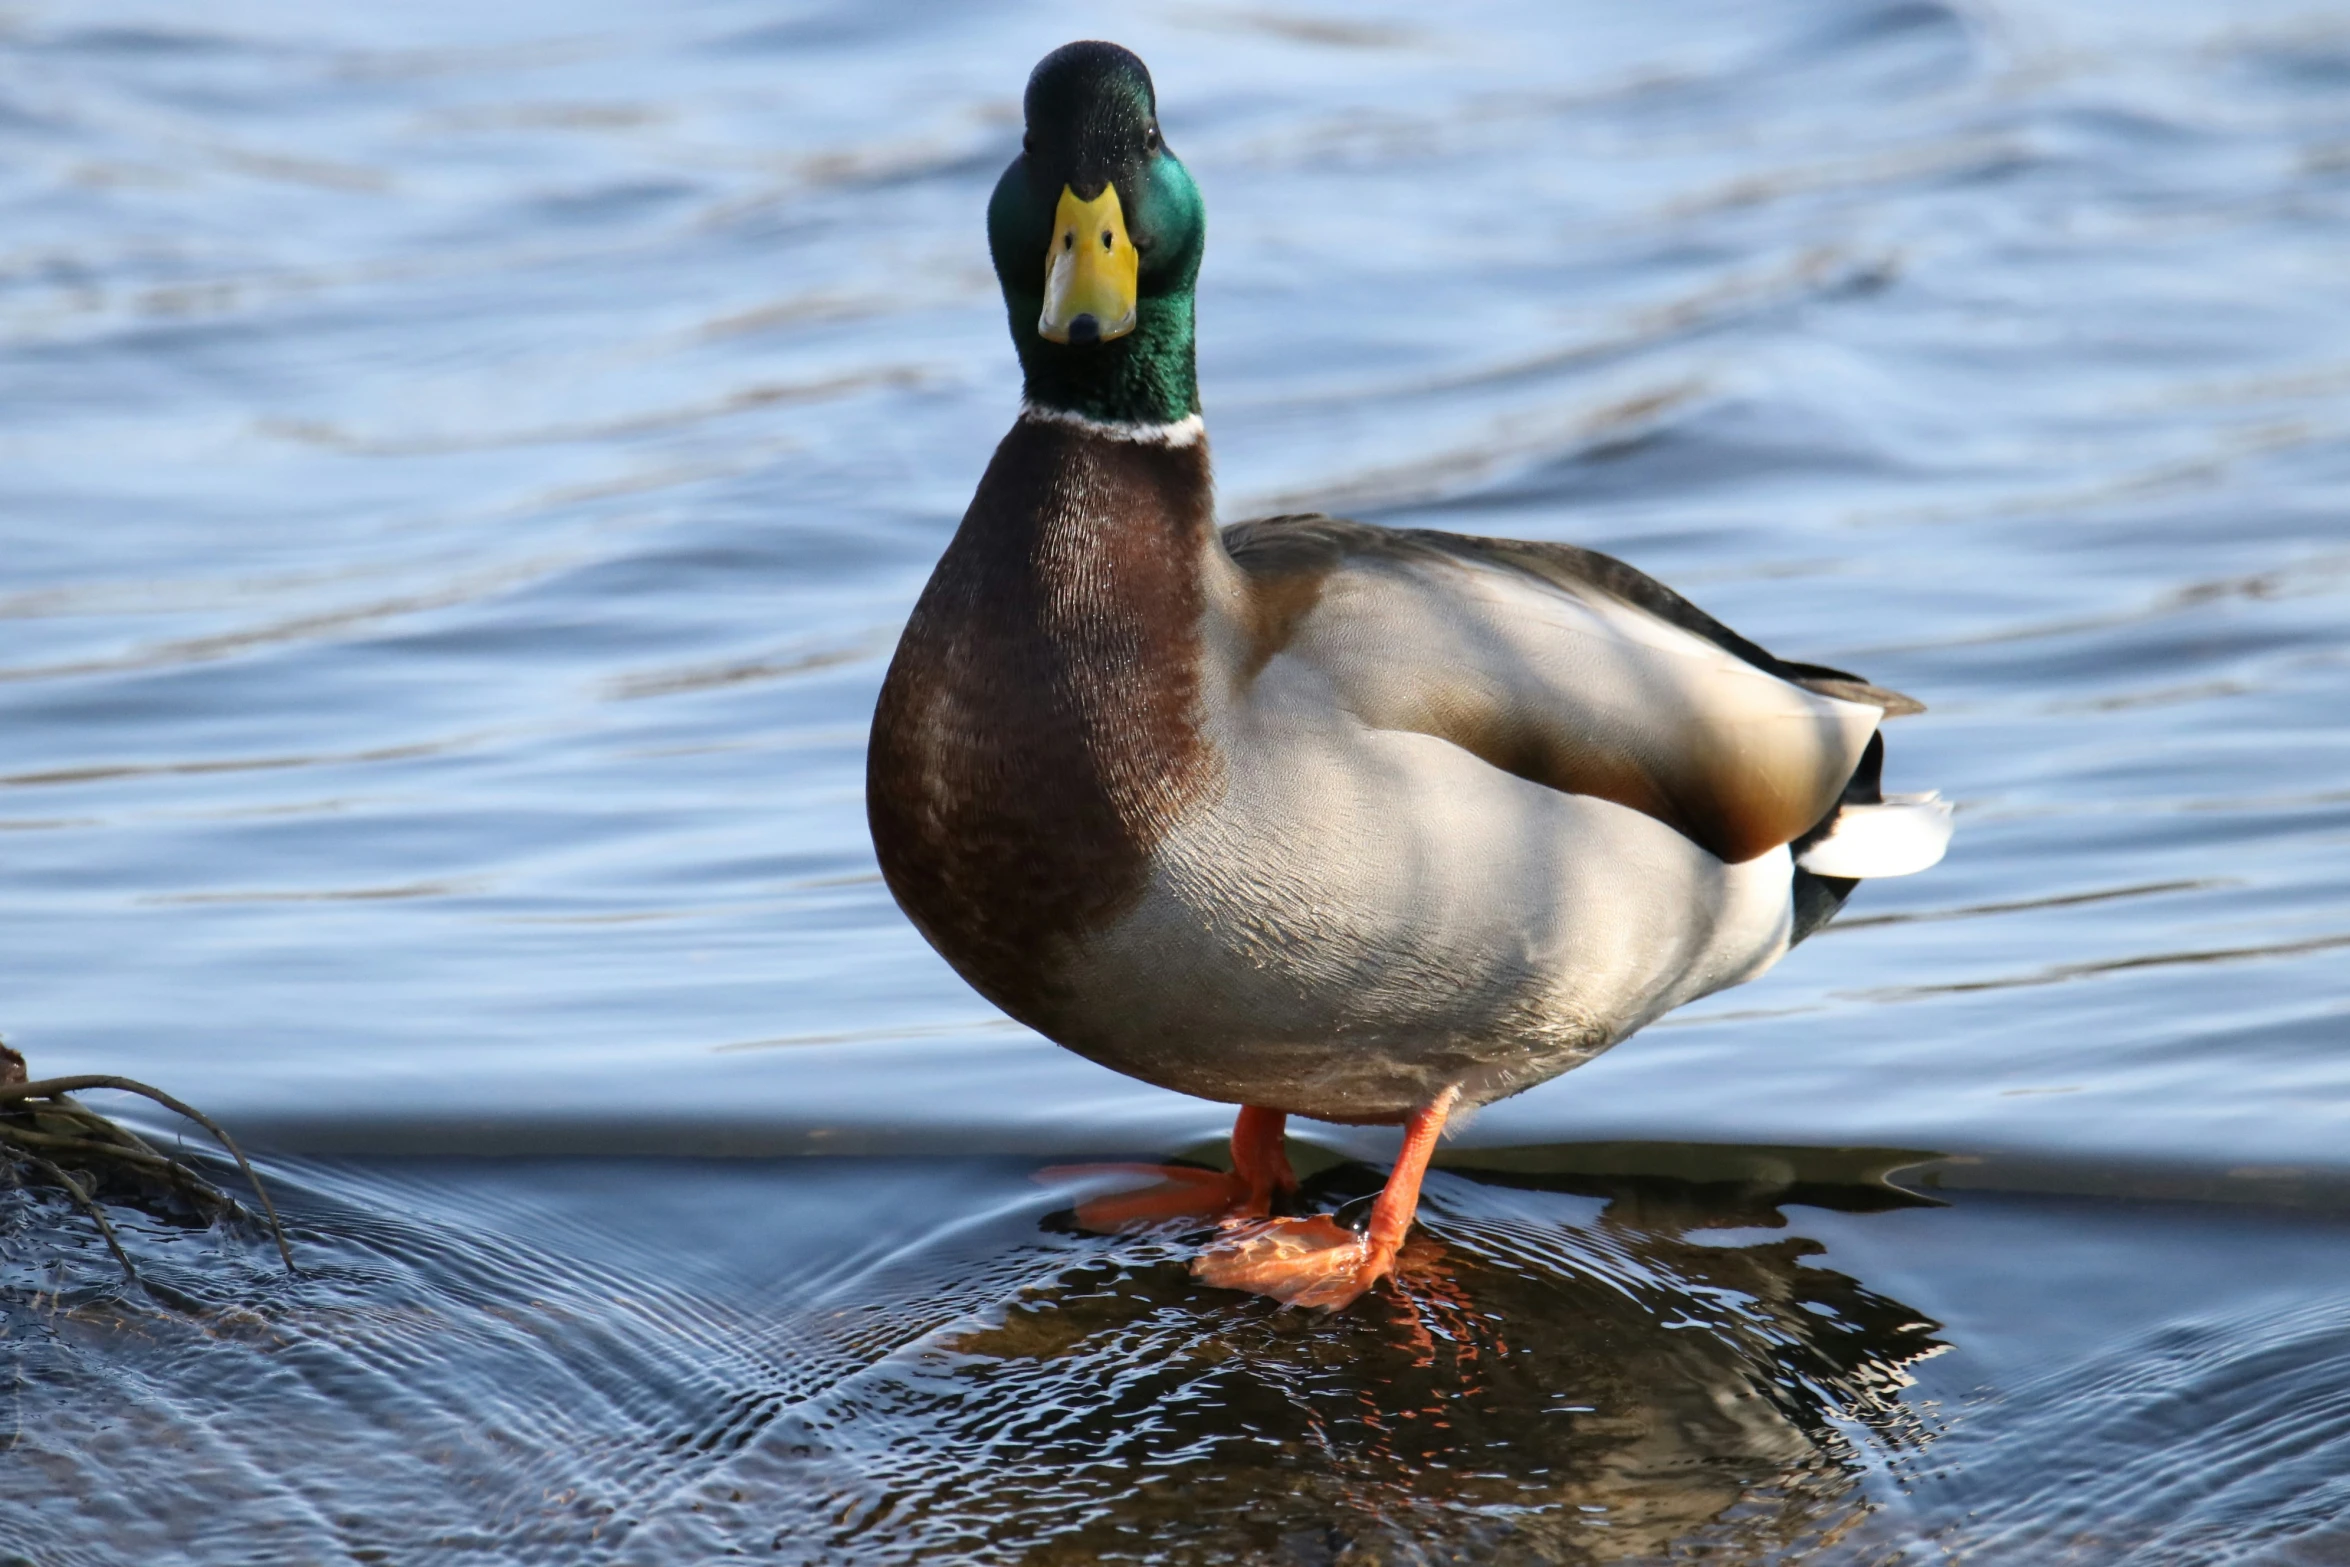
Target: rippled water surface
<point>464,468</point>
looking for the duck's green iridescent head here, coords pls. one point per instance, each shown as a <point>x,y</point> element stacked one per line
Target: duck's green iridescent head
<point>1097,230</point>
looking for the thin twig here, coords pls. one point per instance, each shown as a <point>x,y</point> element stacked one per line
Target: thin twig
<point>82,1201</point>
<point>98,1125</point>
<point>52,1087</point>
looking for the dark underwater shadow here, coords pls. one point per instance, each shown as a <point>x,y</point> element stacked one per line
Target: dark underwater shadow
<point>1554,1379</point>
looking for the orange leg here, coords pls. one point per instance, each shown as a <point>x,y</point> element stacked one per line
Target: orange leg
<point>1260,1173</point>
<point>1260,1157</point>
<point>1315,1261</point>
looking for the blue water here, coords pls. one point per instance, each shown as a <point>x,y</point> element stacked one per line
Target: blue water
<point>464,469</point>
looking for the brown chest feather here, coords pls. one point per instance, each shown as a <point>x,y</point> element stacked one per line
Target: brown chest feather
<point>1038,733</point>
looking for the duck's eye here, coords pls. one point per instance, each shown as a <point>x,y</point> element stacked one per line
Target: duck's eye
<point>1105,239</point>
<point>1028,145</point>
<point>1069,240</point>
<point>1150,139</point>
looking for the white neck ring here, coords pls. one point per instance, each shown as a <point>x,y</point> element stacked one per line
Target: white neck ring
<point>1189,431</point>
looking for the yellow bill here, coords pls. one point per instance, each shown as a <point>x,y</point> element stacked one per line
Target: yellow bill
<point>1089,272</point>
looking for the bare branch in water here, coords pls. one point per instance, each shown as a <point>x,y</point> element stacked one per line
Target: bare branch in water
<point>88,1205</point>
<point>15,1090</point>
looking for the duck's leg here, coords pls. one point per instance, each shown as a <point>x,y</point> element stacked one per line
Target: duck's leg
<point>1260,1173</point>
<point>1316,1261</point>
<point>1260,1158</point>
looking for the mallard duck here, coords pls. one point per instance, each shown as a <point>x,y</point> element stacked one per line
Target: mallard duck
<point>1361,824</point>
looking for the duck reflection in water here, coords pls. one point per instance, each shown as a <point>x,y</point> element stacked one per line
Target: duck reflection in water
<point>1541,1383</point>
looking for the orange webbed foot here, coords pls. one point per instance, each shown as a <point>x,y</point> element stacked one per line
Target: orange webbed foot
<point>1260,1173</point>
<point>1182,1192</point>
<point>1317,1261</point>
<point>1314,1262</point>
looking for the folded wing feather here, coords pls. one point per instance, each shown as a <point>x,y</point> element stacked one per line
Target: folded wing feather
<point>1561,676</point>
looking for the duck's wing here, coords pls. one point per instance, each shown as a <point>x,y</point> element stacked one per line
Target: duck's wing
<point>1560,665</point>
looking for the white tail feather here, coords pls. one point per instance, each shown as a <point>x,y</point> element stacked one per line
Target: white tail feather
<point>1907,833</point>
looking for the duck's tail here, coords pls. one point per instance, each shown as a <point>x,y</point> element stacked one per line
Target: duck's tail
<point>1895,836</point>
<point>1869,833</point>
<point>1872,833</point>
